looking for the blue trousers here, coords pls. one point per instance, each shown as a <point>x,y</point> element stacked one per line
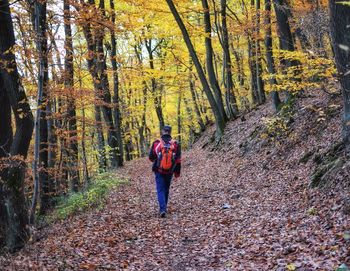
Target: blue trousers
<point>163,182</point>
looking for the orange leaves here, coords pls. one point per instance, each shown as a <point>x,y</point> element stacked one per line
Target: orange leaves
<point>88,266</point>
<point>266,228</point>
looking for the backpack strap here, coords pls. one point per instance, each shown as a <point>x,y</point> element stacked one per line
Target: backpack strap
<point>159,146</point>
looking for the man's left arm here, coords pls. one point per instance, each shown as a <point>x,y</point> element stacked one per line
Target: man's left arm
<point>177,169</point>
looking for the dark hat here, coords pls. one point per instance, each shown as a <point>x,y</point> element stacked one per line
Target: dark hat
<point>167,128</point>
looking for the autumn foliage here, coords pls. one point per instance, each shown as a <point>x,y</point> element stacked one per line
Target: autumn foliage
<point>102,77</point>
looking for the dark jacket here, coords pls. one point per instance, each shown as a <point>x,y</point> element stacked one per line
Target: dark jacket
<point>153,156</point>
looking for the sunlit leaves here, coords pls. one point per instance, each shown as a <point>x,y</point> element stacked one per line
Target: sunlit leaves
<point>311,72</point>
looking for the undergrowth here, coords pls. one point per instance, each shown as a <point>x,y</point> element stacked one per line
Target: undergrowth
<point>278,126</point>
<point>94,196</point>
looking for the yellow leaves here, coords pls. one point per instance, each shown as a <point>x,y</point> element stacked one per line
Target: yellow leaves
<point>291,267</point>
<point>311,71</point>
<point>274,127</point>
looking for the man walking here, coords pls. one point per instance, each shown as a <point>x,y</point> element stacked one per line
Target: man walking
<point>165,154</point>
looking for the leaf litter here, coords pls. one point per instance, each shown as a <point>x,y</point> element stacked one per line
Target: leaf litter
<point>231,210</point>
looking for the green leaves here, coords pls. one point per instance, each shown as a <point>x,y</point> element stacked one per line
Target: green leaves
<point>93,197</point>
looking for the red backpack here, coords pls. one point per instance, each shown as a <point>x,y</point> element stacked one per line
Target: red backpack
<point>166,155</point>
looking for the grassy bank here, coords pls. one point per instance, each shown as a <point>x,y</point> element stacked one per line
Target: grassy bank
<point>94,196</point>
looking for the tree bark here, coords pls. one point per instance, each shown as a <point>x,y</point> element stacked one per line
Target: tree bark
<point>194,101</point>
<point>340,33</point>
<point>219,119</point>
<point>116,99</point>
<point>230,95</point>
<point>260,82</point>
<point>97,69</point>
<point>285,34</point>
<point>157,95</point>
<point>41,147</point>
<point>14,212</point>
<point>144,143</point>
<point>209,60</point>
<point>276,102</point>
<point>254,52</point>
<point>179,122</point>
<point>73,150</point>
<point>86,178</point>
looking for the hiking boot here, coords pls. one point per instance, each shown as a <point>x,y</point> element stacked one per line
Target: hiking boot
<point>162,214</point>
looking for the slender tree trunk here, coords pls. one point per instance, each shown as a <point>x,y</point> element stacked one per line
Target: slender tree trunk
<point>50,108</point>
<point>86,178</point>
<point>239,63</point>
<point>157,95</point>
<point>219,119</point>
<point>14,212</point>
<point>179,123</point>
<point>71,114</point>
<point>276,102</point>
<point>195,104</point>
<point>209,60</point>
<point>102,160</point>
<point>97,68</point>
<point>192,131</point>
<point>285,34</point>
<point>260,82</point>
<point>104,91</point>
<point>230,95</point>
<point>116,100</point>
<point>41,148</point>
<point>143,127</point>
<point>91,61</point>
<point>340,32</point>
<point>252,68</point>
<point>257,85</point>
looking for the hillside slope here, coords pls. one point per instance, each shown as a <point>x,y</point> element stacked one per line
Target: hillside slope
<point>244,204</point>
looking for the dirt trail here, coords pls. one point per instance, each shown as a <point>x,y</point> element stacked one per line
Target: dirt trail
<point>229,211</point>
<point>264,227</point>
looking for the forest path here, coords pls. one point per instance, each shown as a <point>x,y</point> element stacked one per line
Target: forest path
<point>224,215</point>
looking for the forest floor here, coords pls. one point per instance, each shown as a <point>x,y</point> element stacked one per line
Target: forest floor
<point>243,205</point>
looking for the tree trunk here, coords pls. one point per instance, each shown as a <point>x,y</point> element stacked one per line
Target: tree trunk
<point>254,53</point>
<point>230,95</point>
<point>340,32</point>
<point>102,161</point>
<point>12,199</point>
<point>260,82</point>
<point>276,102</point>
<point>219,119</point>
<point>86,178</point>
<point>253,71</point>
<point>209,60</point>
<point>116,100</point>
<point>71,114</point>
<point>195,104</point>
<point>104,91</point>
<point>144,143</point>
<point>285,34</point>
<point>157,95</point>
<point>41,147</point>
<point>97,69</point>
<point>179,123</point>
